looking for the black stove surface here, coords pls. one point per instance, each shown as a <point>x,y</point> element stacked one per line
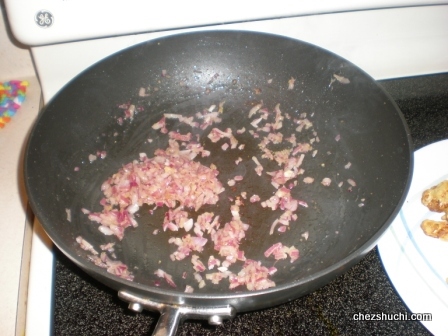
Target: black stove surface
<point>84,306</point>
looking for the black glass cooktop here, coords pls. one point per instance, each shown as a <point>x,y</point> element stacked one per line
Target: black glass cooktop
<point>82,306</point>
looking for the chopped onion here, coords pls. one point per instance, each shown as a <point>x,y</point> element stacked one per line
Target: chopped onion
<point>351,182</point>
<point>326,182</point>
<point>282,229</point>
<point>259,167</point>
<point>142,92</point>
<point>198,266</point>
<point>85,245</point>
<point>190,183</point>
<point>172,179</point>
<point>133,208</point>
<point>254,109</point>
<point>256,122</point>
<point>253,275</point>
<point>168,278</point>
<point>291,83</point>
<point>308,180</point>
<point>341,79</point>
<point>281,252</point>
<point>92,158</point>
<point>212,262</point>
<point>188,225</point>
<point>69,214</point>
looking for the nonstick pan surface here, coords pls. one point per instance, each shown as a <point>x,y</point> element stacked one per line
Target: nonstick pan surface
<point>354,121</point>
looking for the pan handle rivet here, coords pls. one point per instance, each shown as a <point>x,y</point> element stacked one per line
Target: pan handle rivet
<point>215,320</point>
<point>137,307</point>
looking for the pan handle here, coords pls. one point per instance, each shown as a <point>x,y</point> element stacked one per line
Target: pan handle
<point>172,315</point>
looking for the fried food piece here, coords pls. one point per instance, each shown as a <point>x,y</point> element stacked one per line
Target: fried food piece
<point>436,229</point>
<point>436,198</point>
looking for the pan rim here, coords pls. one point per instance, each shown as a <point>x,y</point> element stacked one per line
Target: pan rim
<point>326,272</point>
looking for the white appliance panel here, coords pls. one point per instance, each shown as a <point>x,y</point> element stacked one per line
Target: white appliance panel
<point>37,22</point>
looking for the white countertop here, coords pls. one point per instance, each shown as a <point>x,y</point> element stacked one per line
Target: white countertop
<point>15,64</point>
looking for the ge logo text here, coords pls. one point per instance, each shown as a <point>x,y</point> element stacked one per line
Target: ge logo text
<point>44,19</point>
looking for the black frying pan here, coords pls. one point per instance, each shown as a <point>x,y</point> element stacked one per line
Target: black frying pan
<point>354,119</point>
